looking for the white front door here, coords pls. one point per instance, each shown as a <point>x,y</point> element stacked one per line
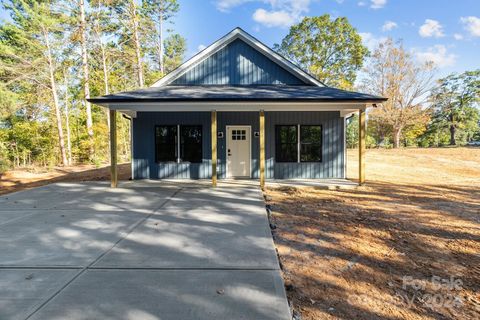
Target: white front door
<point>238,151</point>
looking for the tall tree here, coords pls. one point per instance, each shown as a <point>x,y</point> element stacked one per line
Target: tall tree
<point>393,73</point>
<point>160,12</point>
<point>175,48</point>
<point>331,50</point>
<point>455,103</point>
<point>29,48</point>
<point>86,77</point>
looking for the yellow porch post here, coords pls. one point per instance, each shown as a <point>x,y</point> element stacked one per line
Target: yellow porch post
<point>214,148</point>
<point>262,149</point>
<point>361,146</point>
<point>113,149</point>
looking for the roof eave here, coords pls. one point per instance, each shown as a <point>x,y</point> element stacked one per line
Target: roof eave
<point>101,101</point>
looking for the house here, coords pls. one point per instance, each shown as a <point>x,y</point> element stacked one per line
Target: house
<point>238,109</point>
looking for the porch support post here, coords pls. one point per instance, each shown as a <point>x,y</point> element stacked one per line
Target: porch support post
<point>361,146</point>
<point>262,149</point>
<point>214,148</point>
<point>113,149</point>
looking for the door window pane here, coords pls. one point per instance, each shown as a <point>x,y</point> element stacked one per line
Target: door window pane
<point>311,143</point>
<point>165,143</point>
<point>286,143</point>
<point>191,143</point>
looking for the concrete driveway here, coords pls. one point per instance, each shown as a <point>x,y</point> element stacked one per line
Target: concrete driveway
<point>146,250</point>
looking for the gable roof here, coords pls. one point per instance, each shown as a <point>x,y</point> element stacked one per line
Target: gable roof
<point>222,43</point>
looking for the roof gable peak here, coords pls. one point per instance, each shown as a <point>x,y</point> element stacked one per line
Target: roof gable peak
<point>223,42</point>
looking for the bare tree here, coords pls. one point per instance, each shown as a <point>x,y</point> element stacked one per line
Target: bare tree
<point>86,78</point>
<point>67,118</point>
<point>53,87</point>
<point>393,73</point>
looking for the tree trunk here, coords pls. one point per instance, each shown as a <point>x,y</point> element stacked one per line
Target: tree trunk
<point>136,39</point>
<point>453,130</point>
<point>105,76</point>
<point>160,39</point>
<point>397,134</point>
<point>53,87</point>
<point>86,78</point>
<point>67,123</point>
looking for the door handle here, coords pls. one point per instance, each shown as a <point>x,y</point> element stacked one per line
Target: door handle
<point>229,154</point>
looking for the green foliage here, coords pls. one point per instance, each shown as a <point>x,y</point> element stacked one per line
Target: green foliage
<point>331,50</point>
<point>352,132</point>
<point>28,128</point>
<point>175,47</point>
<point>455,102</point>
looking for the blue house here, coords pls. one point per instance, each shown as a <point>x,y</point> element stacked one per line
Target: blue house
<point>238,109</point>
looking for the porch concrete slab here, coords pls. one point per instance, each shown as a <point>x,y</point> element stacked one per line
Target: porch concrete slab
<point>167,240</point>
<point>21,291</point>
<point>62,237</point>
<point>170,294</point>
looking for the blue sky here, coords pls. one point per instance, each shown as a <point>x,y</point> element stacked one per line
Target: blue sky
<point>445,31</point>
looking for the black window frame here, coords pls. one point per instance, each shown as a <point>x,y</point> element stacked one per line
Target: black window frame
<point>298,144</point>
<point>157,160</point>
<point>278,148</point>
<point>320,143</point>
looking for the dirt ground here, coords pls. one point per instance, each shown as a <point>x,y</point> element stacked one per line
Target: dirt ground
<point>16,180</point>
<point>405,246</point>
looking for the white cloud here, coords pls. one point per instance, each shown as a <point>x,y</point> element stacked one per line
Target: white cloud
<point>438,55</point>
<point>201,47</point>
<point>272,18</point>
<point>226,5</point>
<point>472,25</point>
<point>362,3</point>
<point>377,4</point>
<point>370,41</point>
<point>389,25</point>
<point>458,36</point>
<point>431,28</point>
<point>279,13</point>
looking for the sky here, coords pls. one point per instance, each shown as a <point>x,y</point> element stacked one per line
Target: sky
<point>446,32</point>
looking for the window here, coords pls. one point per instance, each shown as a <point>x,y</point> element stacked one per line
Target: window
<point>191,143</point>
<point>286,140</point>
<point>310,143</point>
<point>298,143</point>
<point>178,143</point>
<point>239,134</point>
<point>165,143</point>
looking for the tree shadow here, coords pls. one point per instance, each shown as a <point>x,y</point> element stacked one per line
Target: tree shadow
<point>345,253</point>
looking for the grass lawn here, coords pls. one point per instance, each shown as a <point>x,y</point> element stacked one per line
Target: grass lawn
<point>405,246</point>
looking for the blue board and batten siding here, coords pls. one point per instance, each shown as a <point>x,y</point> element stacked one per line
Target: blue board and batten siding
<point>237,64</point>
<point>145,167</point>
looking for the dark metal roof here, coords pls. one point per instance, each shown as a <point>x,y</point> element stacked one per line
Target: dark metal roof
<point>270,93</point>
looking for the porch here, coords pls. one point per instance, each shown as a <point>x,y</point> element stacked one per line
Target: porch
<point>262,130</point>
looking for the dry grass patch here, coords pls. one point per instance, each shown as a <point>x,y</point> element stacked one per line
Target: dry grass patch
<point>348,254</point>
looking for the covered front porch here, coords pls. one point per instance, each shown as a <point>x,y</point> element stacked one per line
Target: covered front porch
<point>263,167</point>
